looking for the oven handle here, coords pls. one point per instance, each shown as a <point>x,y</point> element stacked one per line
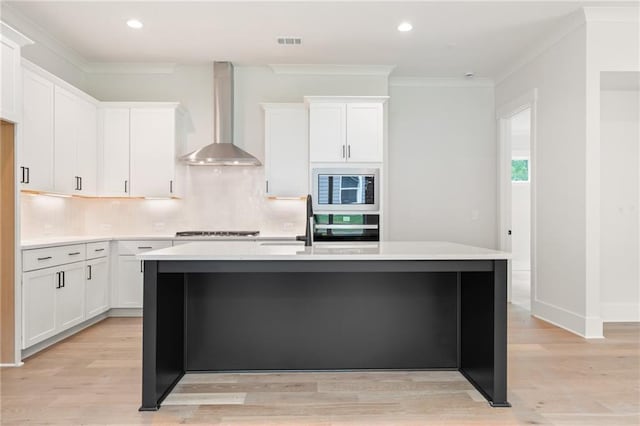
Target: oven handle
<point>336,226</point>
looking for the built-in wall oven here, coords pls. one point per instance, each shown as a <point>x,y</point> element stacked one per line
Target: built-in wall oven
<point>346,189</point>
<point>346,227</point>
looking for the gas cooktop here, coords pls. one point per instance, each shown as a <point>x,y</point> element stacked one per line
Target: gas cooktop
<point>217,234</point>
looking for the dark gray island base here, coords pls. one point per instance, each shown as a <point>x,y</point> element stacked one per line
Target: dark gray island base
<point>310,315</point>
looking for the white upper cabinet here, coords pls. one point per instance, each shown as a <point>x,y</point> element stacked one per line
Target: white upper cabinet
<point>65,142</point>
<point>153,153</point>
<point>113,167</point>
<point>286,150</point>
<point>87,154</point>
<point>346,129</point>
<point>36,159</point>
<point>138,150</point>
<point>327,132</point>
<point>365,132</point>
<point>75,144</point>
<point>11,42</point>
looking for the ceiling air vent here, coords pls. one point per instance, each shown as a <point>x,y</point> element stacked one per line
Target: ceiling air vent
<point>289,40</point>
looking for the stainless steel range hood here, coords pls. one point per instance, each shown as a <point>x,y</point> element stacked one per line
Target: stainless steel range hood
<point>222,152</point>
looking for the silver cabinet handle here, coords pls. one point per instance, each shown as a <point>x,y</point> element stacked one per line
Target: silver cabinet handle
<point>141,266</point>
<point>59,278</point>
<point>125,186</point>
<point>171,187</point>
<point>100,249</point>
<point>342,151</point>
<point>45,258</point>
<point>75,253</point>
<point>145,247</point>
<point>89,266</point>
<point>348,151</point>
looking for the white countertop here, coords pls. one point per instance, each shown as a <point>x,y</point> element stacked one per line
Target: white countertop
<point>81,239</point>
<point>390,250</point>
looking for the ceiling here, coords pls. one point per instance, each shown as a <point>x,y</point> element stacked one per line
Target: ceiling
<point>448,39</point>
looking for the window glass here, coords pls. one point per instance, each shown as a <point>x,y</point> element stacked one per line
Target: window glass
<point>520,170</point>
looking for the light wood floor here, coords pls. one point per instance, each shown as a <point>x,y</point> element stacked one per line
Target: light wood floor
<point>554,378</point>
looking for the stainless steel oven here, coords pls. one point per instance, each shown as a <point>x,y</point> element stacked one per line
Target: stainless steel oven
<point>346,227</point>
<point>346,189</point>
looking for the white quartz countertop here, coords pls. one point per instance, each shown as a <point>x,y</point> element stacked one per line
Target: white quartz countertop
<point>290,250</point>
<point>80,239</point>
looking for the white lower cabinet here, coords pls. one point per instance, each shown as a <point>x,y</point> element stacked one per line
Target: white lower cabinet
<point>62,286</point>
<point>129,272</point>
<point>129,285</point>
<point>97,287</point>
<point>53,300</point>
<point>70,297</point>
<point>39,290</point>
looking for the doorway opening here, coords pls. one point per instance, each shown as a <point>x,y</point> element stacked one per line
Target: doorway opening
<point>517,195</point>
<point>520,135</point>
<point>7,243</point>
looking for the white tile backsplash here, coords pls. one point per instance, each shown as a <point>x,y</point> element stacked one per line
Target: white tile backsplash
<point>216,198</point>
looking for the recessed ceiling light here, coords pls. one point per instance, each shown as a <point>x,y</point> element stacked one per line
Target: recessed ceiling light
<point>134,23</point>
<point>404,27</point>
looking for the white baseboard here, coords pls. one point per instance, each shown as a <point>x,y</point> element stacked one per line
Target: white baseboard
<point>19,364</point>
<point>125,312</point>
<point>587,327</point>
<point>31,350</point>
<point>620,312</point>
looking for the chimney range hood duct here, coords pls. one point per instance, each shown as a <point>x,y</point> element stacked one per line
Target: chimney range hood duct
<point>222,152</point>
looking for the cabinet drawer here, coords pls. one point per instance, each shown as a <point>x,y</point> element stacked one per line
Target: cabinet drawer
<point>136,247</point>
<point>52,256</point>
<point>96,250</point>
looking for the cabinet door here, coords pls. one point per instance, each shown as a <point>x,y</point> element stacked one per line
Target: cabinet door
<point>286,151</point>
<point>37,132</point>
<point>9,94</point>
<point>129,283</point>
<point>114,152</point>
<point>364,132</point>
<point>38,305</point>
<point>327,132</point>
<point>65,142</point>
<point>70,298</point>
<point>87,157</point>
<point>97,287</point>
<point>153,136</point>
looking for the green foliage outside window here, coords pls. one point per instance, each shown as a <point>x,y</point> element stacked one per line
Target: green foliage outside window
<point>519,170</point>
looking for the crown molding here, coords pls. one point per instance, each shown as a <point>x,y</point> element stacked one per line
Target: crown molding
<point>611,14</point>
<point>130,68</point>
<point>40,36</point>
<point>318,69</point>
<point>15,35</point>
<point>572,23</point>
<point>440,82</point>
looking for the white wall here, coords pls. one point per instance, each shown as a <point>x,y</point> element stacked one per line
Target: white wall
<point>612,45</point>
<point>442,164</point>
<point>559,75</point>
<point>620,257</point>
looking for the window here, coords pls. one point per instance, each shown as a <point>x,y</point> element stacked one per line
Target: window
<point>520,170</point>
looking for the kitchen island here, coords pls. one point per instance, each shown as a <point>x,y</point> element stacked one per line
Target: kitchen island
<point>273,306</point>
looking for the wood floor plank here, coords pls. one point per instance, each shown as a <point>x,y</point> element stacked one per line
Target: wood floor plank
<point>554,377</point>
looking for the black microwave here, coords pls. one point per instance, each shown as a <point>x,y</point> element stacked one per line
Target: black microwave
<point>347,189</point>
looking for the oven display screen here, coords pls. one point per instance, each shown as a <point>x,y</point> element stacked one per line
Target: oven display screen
<point>346,189</point>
